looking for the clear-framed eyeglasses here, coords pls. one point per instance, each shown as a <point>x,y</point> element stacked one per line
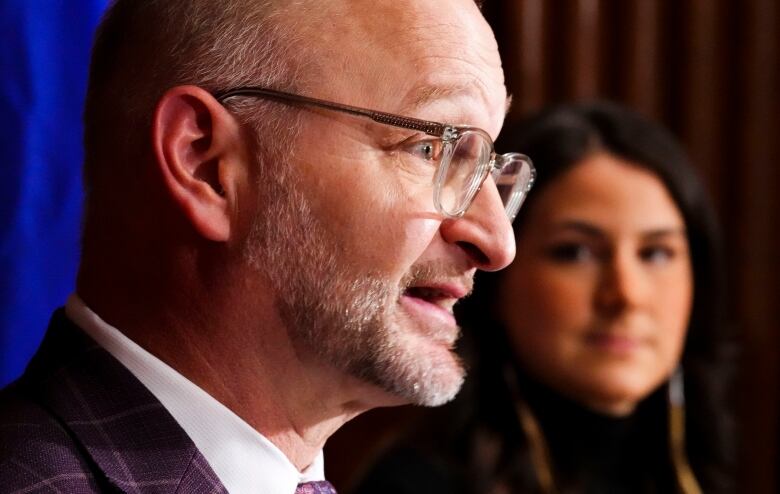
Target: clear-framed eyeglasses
<point>464,156</point>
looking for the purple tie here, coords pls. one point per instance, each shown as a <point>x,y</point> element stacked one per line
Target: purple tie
<point>318,487</point>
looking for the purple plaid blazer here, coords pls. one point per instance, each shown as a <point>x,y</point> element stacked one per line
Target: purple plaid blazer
<point>78,421</point>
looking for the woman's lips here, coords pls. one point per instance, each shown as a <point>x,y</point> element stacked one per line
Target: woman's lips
<point>615,343</point>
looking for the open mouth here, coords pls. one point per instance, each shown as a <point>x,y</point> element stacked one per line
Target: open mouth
<point>431,305</point>
<point>432,296</point>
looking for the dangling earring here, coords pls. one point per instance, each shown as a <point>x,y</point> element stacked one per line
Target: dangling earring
<point>539,452</point>
<point>686,480</point>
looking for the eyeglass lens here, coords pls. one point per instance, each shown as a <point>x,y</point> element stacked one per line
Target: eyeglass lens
<point>513,180</point>
<point>463,174</point>
<point>469,160</point>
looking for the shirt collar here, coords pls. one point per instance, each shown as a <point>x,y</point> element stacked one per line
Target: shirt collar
<point>243,459</point>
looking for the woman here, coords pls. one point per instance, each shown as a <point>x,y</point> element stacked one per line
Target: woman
<point>600,357</point>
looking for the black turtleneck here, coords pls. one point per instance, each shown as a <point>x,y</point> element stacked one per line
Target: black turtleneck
<point>478,447</point>
<point>596,453</point>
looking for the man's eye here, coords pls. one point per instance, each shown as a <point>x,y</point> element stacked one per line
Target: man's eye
<point>427,150</point>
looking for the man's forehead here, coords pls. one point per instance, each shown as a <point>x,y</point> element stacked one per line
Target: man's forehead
<point>404,27</point>
<point>417,57</point>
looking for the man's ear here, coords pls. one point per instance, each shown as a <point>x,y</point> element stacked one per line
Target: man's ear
<point>194,139</point>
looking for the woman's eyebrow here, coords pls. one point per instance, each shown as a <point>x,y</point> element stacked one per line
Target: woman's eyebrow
<point>579,226</point>
<point>664,232</point>
<point>591,230</point>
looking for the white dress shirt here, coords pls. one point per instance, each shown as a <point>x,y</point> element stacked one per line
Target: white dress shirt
<point>244,460</point>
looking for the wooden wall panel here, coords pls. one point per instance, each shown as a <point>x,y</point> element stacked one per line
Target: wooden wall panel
<point>584,45</point>
<point>642,80</point>
<point>754,166</point>
<point>702,98</point>
<point>525,28</point>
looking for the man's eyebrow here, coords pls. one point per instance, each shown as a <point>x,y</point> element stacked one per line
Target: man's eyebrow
<point>422,95</point>
<point>425,94</point>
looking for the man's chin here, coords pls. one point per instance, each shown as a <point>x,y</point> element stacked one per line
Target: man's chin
<point>428,370</point>
<point>431,379</point>
<point>444,393</point>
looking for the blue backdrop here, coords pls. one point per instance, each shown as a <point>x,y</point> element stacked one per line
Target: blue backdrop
<point>44,53</point>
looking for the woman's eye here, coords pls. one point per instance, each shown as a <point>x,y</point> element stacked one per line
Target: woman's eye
<point>570,252</point>
<point>656,254</point>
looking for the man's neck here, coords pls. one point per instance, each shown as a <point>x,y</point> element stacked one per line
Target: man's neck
<point>295,404</point>
<point>249,365</point>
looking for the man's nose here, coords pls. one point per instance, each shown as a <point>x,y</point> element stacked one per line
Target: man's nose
<point>484,232</point>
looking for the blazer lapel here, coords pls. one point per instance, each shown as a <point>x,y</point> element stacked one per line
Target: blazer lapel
<point>124,429</point>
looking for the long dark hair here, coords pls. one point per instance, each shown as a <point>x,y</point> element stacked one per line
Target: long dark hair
<point>556,140</point>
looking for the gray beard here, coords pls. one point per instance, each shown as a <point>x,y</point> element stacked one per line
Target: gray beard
<point>342,317</point>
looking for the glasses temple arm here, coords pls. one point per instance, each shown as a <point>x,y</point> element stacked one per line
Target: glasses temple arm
<point>430,128</point>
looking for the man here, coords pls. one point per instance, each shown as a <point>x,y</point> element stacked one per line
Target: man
<point>258,266</point>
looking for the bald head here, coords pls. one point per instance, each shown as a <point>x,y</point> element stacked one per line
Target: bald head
<point>144,47</point>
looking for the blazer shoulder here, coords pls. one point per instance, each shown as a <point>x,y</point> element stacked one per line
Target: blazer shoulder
<point>36,451</point>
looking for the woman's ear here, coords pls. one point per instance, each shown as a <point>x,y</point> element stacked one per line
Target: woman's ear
<point>194,139</point>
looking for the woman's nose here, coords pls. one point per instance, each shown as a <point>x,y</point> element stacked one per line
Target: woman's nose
<point>621,285</point>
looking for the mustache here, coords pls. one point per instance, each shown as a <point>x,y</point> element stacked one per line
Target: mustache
<point>431,272</point>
